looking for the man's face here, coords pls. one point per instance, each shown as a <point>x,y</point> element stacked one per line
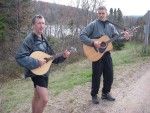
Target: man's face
<point>39,25</point>
<point>102,15</point>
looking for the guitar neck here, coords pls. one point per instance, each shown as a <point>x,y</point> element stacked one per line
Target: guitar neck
<point>53,57</point>
<point>115,38</point>
<point>133,29</point>
<point>72,50</point>
<point>57,55</point>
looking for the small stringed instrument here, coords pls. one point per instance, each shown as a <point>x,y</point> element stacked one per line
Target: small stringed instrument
<point>49,58</point>
<point>94,54</point>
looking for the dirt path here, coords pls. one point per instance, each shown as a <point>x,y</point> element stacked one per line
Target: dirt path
<point>131,88</point>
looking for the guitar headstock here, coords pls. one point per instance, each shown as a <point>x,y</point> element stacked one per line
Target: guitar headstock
<point>133,30</point>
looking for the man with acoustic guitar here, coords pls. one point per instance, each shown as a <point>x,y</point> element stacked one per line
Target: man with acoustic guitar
<point>35,41</point>
<point>94,30</point>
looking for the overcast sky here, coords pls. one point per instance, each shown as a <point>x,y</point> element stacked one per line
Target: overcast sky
<point>128,7</point>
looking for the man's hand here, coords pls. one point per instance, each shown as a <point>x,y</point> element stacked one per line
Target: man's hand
<point>42,61</point>
<point>97,44</point>
<point>66,54</point>
<point>126,35</point>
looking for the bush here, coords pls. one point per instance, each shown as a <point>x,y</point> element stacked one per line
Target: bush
<point>2,28</point>
<point>118,46</point>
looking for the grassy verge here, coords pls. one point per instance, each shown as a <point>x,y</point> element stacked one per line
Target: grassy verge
<point>130,54</point>
<point>18,93</point>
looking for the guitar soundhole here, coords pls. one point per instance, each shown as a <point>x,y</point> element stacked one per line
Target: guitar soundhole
<point>103,44</point>
<point>46,59</point>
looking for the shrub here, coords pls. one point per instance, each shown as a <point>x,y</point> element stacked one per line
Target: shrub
<point>2,28</point>
<point>118,46</point>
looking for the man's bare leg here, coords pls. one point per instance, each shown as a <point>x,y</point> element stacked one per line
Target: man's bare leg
<point>42,100</point>
<point>35,100</point>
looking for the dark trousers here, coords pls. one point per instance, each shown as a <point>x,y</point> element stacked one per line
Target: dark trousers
<point>103,66</point>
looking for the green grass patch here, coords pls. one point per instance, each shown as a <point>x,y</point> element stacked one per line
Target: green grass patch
<point>130,54</point>
<point>67,79</point>
<point>14,94</point>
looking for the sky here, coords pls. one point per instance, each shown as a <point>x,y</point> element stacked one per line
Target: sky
<point>128,7</point>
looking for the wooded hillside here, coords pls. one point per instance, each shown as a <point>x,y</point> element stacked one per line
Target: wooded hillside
<point>15,23</point>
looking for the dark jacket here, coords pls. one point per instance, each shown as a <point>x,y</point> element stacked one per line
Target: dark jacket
<point>30,44</point>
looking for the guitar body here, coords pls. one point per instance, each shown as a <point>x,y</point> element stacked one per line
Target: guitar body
<point>44,68</point>
<point>94,55</point>
<point>41,55</point>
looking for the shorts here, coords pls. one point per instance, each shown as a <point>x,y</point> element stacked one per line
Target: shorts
<point>41,81</point>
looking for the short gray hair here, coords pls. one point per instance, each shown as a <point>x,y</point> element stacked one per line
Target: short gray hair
<point>35,17</point>
<point>102,8</point>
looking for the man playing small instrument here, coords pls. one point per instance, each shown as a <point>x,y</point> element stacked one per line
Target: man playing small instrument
<point>35,41</point>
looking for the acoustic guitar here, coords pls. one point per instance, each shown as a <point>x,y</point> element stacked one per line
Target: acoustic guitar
<point>94,54</point>
<point>49,58</point>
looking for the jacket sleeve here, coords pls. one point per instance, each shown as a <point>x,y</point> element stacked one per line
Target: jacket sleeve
<point>23,56</point>
<point>58,60</point>
<point>85,34</point>
<point>115,33</point>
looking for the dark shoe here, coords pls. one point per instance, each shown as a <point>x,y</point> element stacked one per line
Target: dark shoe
<point>95,99</point>
<point>108,97</point>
